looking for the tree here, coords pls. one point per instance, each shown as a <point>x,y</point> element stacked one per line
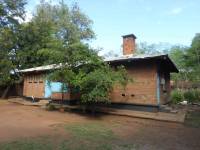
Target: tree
<point>193,59</point>
<point>35,38</point>
<point>81,67</point>
<point>58,34</point>
<point>187,60</point>
<point>53,28</point>
<point>177,54</point>
<point>152,49</point>
<point>86,71</point>
<point>11,12</point>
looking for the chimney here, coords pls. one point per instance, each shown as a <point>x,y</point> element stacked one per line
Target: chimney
<point>129,44</point>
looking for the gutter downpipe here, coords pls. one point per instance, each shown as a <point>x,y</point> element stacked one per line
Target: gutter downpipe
<point>158,88</point>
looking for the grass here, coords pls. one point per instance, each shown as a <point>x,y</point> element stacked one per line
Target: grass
<point>27,144</point>
<point>98,136</point>
<point>93,135</point>
<point>91,131</point>
<point>193,119</point>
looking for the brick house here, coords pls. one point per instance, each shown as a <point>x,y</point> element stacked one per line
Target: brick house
<point>150,73</point>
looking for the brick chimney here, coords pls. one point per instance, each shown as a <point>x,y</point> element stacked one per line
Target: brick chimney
<point>129,44</point>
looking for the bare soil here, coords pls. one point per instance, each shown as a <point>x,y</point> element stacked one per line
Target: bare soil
<point>18,122</point>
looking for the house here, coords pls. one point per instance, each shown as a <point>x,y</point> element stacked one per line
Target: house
<point>37,86</point>
<point>150,73</point>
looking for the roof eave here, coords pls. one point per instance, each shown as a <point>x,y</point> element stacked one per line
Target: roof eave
<point>175,68</point>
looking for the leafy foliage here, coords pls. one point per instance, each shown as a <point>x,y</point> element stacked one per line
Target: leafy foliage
<point>86,71</point>
<point>152,49</point>
<point>188,61</point>
<point>188,95</point>
<point>177,54</point>
<point>97,84</point>
<point>11,12</point>
<point>191,95</point>
<point>193,59</point>
<point>35,38</point>
<point>177,96</point>
<point>50,107</point>
<point>5,77</point>
<point>81,67</point>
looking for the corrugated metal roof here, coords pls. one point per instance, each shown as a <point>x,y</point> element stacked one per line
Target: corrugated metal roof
<point>133,57</point>
<point>113,59</point>
<point>41,68</point>
<point>139,56</point>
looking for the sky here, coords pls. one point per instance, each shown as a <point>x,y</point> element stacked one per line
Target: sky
<point>152,21</point>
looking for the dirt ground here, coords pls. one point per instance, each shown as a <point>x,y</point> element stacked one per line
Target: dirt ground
<point>18,122</point>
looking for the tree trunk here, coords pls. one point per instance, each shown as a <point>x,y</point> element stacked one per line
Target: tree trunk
<point>93,109</point>
<point>83,108</point>
<point>5,92</point>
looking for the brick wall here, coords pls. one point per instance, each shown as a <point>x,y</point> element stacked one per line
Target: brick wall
<point>34,85</point>
<point>66,96</point>
<point>58,96</point>
<point>143,88</point>
<point>128,45</point>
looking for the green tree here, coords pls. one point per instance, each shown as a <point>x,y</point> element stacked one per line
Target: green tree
<point>187,60</point>
<point>34,39</point>
<point>53,28</point>
<point>11,12</point>
<point>58,34</point>
<point>81,67</point>
<point>177,54</point>
<point>193,59</point>
<point>152,49</point>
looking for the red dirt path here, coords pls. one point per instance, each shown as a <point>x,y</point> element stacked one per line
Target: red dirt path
<point>17,121</point>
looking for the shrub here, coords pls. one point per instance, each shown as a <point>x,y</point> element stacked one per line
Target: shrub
<point>50,107</point>
<point>176,96</point>
<point>192,95</point>
<point>189,96</point>
<point>197,95</point>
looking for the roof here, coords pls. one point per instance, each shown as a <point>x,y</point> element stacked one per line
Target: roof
<point>124,58</point>
<point>129,35</point>
<point>132,57</point>
<point>41,68</point>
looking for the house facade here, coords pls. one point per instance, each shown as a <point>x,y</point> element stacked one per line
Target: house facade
<point>150,74</point>
<point>37,86</point>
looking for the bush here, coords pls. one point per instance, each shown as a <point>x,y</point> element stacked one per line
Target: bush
<point>192,96</point>
<point>189,96</point>
<point>197,95</point>
<point>176,96</point>
<point>50,107</point>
